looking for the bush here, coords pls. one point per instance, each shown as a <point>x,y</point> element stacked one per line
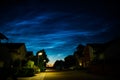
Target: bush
<point>25,72</point>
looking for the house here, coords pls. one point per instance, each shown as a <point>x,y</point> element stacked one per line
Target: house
<point>94,57</point>
<point>103,58</point>
<point>12,52</point>
<point>112,57</point>
<point>112,52</point>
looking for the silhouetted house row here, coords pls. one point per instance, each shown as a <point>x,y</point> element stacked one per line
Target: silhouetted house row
<point>10,52</point>
<point>103,57</point>
<point>93,53</point>
<point>90,53</point>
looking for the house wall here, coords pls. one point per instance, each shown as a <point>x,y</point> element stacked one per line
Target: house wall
<point>22,52</point>
<point>86,57</point>
<point>112,58</point>
<point>91,53</point>
<point>5,58</point>
<point>112,53</point>
<point>9,56</point>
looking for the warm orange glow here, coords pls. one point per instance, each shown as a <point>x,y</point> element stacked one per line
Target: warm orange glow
<point>49,65</point>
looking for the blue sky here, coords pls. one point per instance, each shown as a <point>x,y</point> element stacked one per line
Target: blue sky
<point>58,27</point>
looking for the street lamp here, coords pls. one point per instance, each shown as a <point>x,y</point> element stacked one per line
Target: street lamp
<point>39,54</point>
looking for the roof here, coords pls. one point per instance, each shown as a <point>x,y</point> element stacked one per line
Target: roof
<point>29,53</point>
<point>116,40</point>
<point>98,47</point>
<point>3,36</point>
<point>12,45</point>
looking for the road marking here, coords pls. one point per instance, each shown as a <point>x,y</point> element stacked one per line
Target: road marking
<point>40,76</point>
<point>43,76</point>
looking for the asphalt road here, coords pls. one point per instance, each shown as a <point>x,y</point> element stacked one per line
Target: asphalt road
<point>65,75</point>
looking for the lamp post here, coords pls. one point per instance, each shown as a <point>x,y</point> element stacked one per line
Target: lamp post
<point>39,54</point>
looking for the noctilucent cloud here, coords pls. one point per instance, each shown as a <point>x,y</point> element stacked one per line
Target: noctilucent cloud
<point>58,27</point>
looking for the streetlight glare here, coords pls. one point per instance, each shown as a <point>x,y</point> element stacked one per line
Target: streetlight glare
<point>80,64</point>
<point>39,53</point>
<point>44,60</point>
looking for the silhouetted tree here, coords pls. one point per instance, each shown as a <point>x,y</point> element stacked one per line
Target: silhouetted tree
<point>43,56</point>
<point>79,50</point>
<point>59,64</point>
<point>43,59</point>
<point>70,61</point>
<point>29,55</point>
<point>78,53</point>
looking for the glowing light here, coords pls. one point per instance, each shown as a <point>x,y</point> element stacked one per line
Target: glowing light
<point>44,60</point>
<point>80,64</point>
<point>39,54</point>
<point>49,65</point>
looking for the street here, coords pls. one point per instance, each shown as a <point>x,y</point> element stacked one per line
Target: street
<point>64,75</point>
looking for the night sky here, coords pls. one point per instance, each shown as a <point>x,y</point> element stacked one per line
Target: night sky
<point>59,26</point>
